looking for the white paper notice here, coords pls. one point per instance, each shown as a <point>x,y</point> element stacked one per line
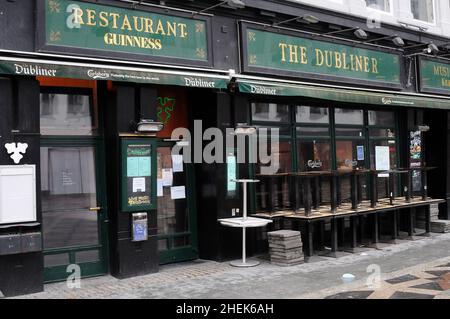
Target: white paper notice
<point>159,188</point>
<point>139,185</point>
<point>167,177</point>
<point>177,163</point>
<point>382,160</point>
<point>177,192</point>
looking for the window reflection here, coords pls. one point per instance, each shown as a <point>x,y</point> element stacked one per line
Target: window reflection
<point>66,114</point>
<point>314,155</point>
<point>270,112</point>
<point>349,116</point>
<point>308,114</point>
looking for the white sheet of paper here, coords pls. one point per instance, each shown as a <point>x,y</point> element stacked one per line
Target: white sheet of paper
<point>139,185</point>
<point>177,163</point>
<point>382,160</point>
<point>167,176</point>
<point>177,192</point>
<point>159,188</point>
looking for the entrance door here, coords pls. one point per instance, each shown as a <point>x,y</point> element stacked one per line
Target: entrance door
<point>73,211</point>
<point>72,183</point>
<point>177,231</point>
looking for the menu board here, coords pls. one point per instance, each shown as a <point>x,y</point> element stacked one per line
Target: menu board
<point>137,184</point>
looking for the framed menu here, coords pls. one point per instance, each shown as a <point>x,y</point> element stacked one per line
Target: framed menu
<point>138,170</point>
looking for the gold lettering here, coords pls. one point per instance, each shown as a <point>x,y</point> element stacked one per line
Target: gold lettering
<point>358,63</point>
<point>160,29</point>
<point>344,61</point>
<point>90,17</point>
<point>374,66</point>
<point>148,25</point>
<point>138,27</point>
<point>172,29</point>
<point>283,51</point>
<point>303,55</point>
<point>329,58</point>
<point>103,16</point>
<point>293,53</point>
<point>126,23</point>
<point>78,16</point>
<point>114,16</point>
<point>319,57</point>
<point>366,64</point>
<point>338,60</point>
<point>183,32</point>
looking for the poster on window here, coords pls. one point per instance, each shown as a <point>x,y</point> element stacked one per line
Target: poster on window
<point>382,160</point>
<point>415,158</point>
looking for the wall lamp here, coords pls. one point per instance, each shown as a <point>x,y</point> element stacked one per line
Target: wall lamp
<point>308,18</point>
<point>358,32</point>
<point>395,39</point>
<point>244,129</point>
<point>149,126</point>
<point>235,4</point>
<point>430,49</point>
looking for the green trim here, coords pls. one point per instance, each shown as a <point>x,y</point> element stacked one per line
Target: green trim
<point>341,95</point>
<point>125,206</point>
<point>90,269</point>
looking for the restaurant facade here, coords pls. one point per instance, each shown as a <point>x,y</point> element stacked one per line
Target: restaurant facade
<point>92,92</point>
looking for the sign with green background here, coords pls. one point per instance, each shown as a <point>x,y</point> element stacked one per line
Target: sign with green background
<point>275,51</point>
<point>93,26</point>
<point>434,76</point>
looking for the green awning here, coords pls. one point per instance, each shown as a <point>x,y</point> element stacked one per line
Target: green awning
<point>341,95</point>
<point>58,69</point>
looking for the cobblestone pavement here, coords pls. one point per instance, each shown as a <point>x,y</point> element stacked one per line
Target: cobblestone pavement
<point>319,278</point>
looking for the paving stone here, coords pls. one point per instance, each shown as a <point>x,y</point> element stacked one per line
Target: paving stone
<point>351,295</point>
<point>401,279</point>
<point>429,286</point>
<point>438,273</point>
<point>410,295</point>
<point>283,234</point>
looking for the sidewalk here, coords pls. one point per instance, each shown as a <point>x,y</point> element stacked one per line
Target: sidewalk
<point>424,263</point>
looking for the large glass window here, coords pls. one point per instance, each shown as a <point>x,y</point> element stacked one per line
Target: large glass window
<point>66,114</point>
<point>383,5</point>
<point>382,144</point>
<point>423,10</point>
<point>270,112</point>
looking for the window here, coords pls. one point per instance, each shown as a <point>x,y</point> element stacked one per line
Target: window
<point>382,5</point>
<point>66,114</point>
<point>423,10</point>
<point>270,112</point>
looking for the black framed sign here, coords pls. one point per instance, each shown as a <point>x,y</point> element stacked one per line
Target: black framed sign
<point>271,51</point>
<point>113,29</point>
<point>138,189</point>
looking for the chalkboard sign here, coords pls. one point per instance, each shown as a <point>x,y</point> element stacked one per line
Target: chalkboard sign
<point>138,176</point>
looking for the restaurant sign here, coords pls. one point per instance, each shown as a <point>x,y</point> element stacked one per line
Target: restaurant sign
<point>270,52</point>
<point>434,76</point>
<point>100,27</point>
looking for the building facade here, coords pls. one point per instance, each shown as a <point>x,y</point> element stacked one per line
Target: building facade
<point>88,181</point>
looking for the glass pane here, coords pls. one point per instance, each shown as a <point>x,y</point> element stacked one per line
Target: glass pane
<point>423,10</point>
<point>382,185</point>
<point>354,132</point>
<point>305,131</point>
<point>309,114</point>
<point>277,187</point>
<point>265,131</point>
<point>66,114</point>
<point>382,118</point>
<point>56,260</point>
<point>349,116</point>
<point>314,155</point>
<point>68,190</point>
<point>173,214</point>
<point>382,132</point>
<point>350,154</point>
<point>383,5</point>
<point>163,244</point>
<point>181,241</point>
<point>87,256</point>
<point>270,112</point>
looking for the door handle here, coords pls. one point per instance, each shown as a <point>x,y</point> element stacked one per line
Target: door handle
<point>95,209</point>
